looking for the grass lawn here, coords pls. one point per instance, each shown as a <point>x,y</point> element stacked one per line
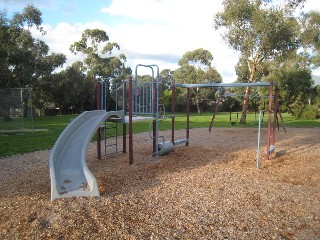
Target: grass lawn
<point>16,142</point>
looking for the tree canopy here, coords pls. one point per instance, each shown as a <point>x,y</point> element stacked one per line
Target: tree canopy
<point>195,67</point>
<point>264,32</point>
<point>100,62</point>
<point>24,59</point>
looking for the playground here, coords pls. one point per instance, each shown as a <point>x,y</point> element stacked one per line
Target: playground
<point>194,183</point>
<point>210,190</point>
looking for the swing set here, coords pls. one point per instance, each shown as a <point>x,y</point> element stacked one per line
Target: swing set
<point>273,109</point>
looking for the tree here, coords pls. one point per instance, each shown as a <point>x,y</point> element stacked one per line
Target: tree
<point>295,88</point>
<point>70,89</point>
<point>24,60</point>
<point>80,94</point>
<point>260,32</point>
<point>195,67</point>
<point>310,38</point>
<point>100,62</point>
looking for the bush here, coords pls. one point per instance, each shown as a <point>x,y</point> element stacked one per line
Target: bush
<point>309,112</point>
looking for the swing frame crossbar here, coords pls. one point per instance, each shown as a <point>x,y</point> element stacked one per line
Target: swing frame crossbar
<point>224,85</point>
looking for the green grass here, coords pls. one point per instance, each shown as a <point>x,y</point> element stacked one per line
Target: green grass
<point>22,142</point>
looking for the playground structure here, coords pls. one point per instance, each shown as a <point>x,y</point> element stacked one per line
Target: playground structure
<point>143,104</point>
<point>273,111</point>
<point>69,173</point>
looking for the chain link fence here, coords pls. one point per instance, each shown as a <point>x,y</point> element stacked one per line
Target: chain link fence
<point>16,110</point>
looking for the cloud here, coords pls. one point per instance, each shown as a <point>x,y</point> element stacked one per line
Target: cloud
<point>169,28</point>
<point>60,37</point>
<point>311,5</point>
<point>148,31</point>
<point>153,32</point>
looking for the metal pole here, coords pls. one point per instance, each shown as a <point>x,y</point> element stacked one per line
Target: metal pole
<point>150,100</point>
<point>124,126</point>
<point>259,130</point>
<point>278,107</point>
<point>269,120</point>
<point>104,91</point>
<point>98,131</point>
<point>188,116</point>
<point>155,110</point>
<point>31,109</point>
<point>22,107</point>
<point>275,115</point>
<point>130,123</point>
<point>173,105</point>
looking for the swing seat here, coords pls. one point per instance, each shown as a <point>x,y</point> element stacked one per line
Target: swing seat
<point>272,148</point>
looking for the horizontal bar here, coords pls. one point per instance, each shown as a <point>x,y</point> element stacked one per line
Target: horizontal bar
<point>243,95</point>
<point>204,85</point>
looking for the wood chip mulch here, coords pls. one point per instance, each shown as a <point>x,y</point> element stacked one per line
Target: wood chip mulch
<point>209,190</point>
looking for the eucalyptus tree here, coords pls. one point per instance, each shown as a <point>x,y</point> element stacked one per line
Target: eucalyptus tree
<point>295,88</point>
<point>310,37</point>
<point>261,32</point>
<point>100,61</point>
<point>24,59</point>
<point>195,67</point>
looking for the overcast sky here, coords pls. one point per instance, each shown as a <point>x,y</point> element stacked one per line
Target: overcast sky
<point>148,31</point>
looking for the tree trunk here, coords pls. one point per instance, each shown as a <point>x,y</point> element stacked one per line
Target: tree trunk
<point>245,106</point>
<point>198,105</point>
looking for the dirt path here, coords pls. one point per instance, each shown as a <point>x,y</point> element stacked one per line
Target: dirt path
<point>209,190</point>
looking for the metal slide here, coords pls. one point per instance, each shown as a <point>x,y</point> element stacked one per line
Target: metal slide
<point>69,173</point>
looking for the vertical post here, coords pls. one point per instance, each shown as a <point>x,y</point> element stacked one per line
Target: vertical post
<point>98,131</point>
<point>124,138</point>
<point>22,107</point>
<point>31,109</point>
<point>154,140</point>
<point>188,116</point>
<point>275,115</point>
<point>130,123</point>
<point>259,130</point>
<point>173,105</point>
<point>269,119</point>
<point>124,126</point>
<point>278,109</point>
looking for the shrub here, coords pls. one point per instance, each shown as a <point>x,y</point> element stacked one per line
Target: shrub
<point>309,112</point>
